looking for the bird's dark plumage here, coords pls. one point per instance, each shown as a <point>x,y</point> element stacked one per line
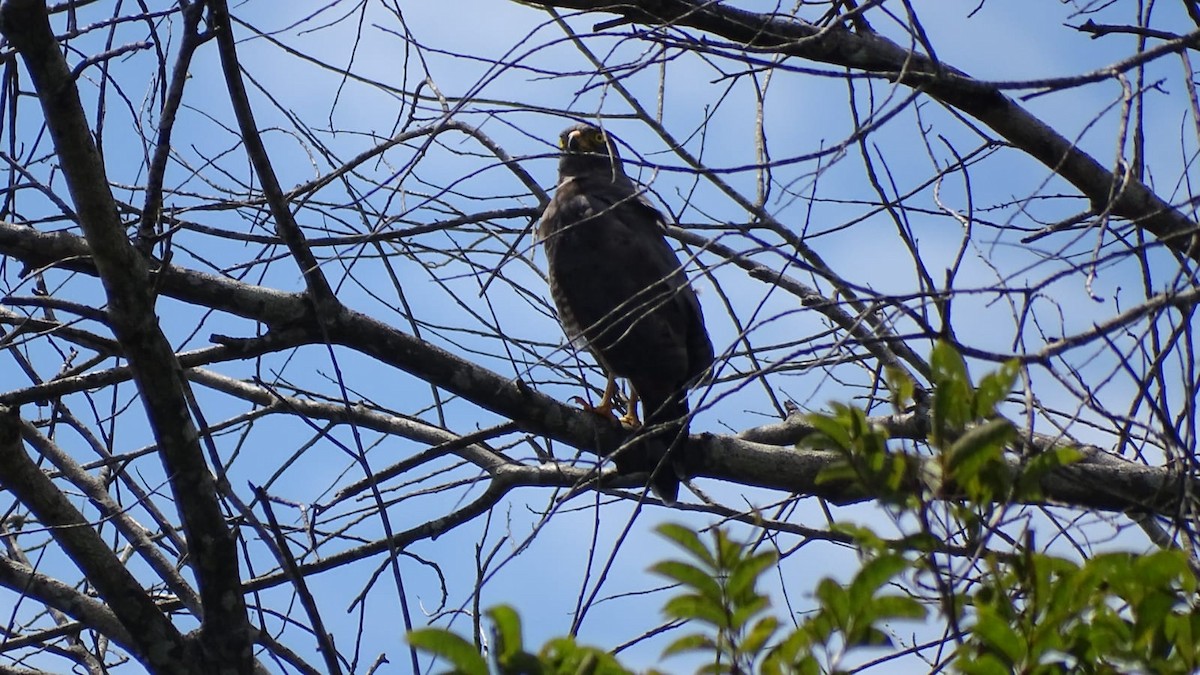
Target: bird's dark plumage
<point>621,292</point>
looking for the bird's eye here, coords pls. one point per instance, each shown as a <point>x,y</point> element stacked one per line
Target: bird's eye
<point>584,140</point>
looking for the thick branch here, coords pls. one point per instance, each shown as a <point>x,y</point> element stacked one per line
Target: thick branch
<point>151,216</point>
<point>285,224</point>
<point>126,279</point>
<point>745,460</point>
<point>1101,481</point>
<point>1122,196</point>
<point>51,592</point>
<point>98,495</point>
<point>153,638</point>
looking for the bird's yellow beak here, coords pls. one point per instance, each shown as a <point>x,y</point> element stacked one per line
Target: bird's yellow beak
<point>583,140</point>
<point>573,141</point>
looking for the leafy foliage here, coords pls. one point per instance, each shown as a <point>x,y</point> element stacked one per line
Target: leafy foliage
<point>967,433</point>
<point>559,655</point>
<point>866,459</point>
<point>719,596</point>
<point>1031,613</point>
<point>1115,613</point>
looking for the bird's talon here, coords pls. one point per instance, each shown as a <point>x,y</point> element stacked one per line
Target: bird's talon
<point>629,421</point>
<point>601,410</point>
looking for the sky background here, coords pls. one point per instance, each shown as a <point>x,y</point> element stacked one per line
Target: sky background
<point>510,71</point>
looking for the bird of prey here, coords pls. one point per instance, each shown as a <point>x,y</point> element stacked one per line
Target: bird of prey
<point>621,292</point>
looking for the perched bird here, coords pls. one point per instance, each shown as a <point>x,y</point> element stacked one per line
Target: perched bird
<point>621,292</point>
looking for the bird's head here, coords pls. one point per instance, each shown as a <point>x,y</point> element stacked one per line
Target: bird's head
<point>588,150</point>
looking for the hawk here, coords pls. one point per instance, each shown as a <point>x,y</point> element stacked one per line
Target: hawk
<point>621,292</point>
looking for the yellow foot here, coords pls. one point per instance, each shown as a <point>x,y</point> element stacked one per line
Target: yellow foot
<point>630,419</point>
<point>605,409</point>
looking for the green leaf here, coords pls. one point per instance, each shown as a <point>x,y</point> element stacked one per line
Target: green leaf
<point>834,600</point>
<point>1161,569</point>
<point>690,576</point>
<point>1182,633</point>
<point>522,663</point>
<point>891,607</point>
<point>831,433</point>
<point>698,608</point>
<point>872,576</point>
<point>690,643</point>
<point>507,627</point>
<point>947,364</point>
<point>868,636</point>
<point>999,639</point>
<point>808,665</point>
<point>819,628</point>
<point>747,572</point>
<point>451,648</point>
<point>747,610</point>
<point>982,443</point>
<point>688,541</point>
<point>757,637</point>
<point>1151,615</point>
<point>984,665</point>
<point>562,655</point>
<point>784,655</point>
<point>953,394</point>
<point>728,551</point>
<point>840,471</point>
<point>1028,483</point>
<point>993,387</point>
<point>900,385</point>
<point>975,461</point>
<point>864,537</point>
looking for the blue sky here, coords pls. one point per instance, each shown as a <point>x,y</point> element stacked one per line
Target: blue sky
<point>520,106</point>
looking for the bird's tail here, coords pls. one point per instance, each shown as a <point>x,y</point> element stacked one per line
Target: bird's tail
<point>660,443</point>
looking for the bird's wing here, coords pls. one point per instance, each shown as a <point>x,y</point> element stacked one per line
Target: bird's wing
<point>699,346</point>
<point>621,282</point>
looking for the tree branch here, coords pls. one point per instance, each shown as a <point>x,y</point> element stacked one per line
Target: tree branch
<point>225,631</point>
<point>1122,196</point>
<point>285,224</point>
<point>152,638</point>
<point>745,460</point>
